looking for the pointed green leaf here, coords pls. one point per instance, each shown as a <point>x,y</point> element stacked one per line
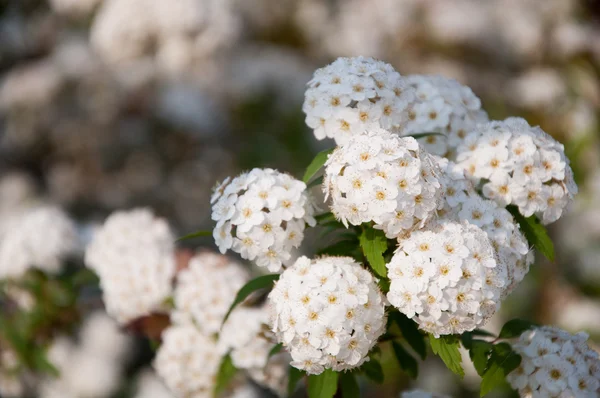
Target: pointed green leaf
<point>350,388</point>
<point>341,248</point>
<point>502,361</point>
<point>406,361</point>
<point>423,135</point>
<point>446,347</point>
<point>197,234</point>
<point>315,182</point>
<point>374,243</point>
<point>262,282</point>
<point>323,385</point>
<point>373,370</point>
<point>535,232</point>
<point>225,374</point>
<point>514,328</point>
<point>479,353</point>
<point>275,350</point>
<point>316,164</point>
<point>295,376</point>
<point>411,333</point>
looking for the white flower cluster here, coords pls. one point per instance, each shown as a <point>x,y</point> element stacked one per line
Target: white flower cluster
<point>261,215</point>
<point>421,394</point>
<point>327,312</point>
<point>380,177</point>
<point>447,278</point>
<point>246,336</point>
<point>40,237</point>
<point>462,202</point>
<point>555,363</point>
<point>188,361</point>
<point>520,165</point>
<point>133,254</point>
<point>352,95</point>
<point>443,106</point>
<point>205,290</point>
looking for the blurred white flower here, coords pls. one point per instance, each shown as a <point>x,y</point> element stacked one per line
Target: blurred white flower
<point>150,386</point>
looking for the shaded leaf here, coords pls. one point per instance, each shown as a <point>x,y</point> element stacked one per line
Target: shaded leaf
<point>316,181</point>
<point>479,353</point>
<point>316,164</point>
<point>225,374</point>
<point>295,376</point>
<point>350,388</point>
<point>514,328</point>
<point>411,333</point>
<point>323,385</point>
<point>374,243</point>
<point>41,363</point>
<point>373,370</point>
<point>275,350</point>
<point>197,234</point>
<point>423,135</point>
<point>535,232</point>
<point>446,347</point>
<point>502,361</point>
<point>341,248</point>
<point>406,361</point>
<point>262,282</point>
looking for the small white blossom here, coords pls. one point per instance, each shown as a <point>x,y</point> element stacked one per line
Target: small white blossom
<point>555,363</point>
<point>519,165</point>
<point>327,312</point>
<point>133,254</point>
<point>206,289</point>
<point>352,95</point>
<point>380,177</point>
<point>446,277</point>
<point>262,215</point>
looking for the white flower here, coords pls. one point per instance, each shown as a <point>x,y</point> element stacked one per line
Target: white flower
<point>352,95</point>
<point>327,312</point>
<point>262,215</point>
<point>148,385</point>
<point>520,165</point>
<point>441,276</point>
<point>188,361</point>
<point>380,177</point>
<point>205,290</point>
<point>555,363</point>
<point>40,237</point>
<point>133,254</point>
<point>445,107</point>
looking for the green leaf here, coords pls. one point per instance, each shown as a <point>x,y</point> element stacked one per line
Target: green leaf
<point>502,361</point>
<point>446,347</point>
<point>479,353</point>
<point>514,328</point>
<point>83,277</point>
<point>411,333</point>
<point>41,363</point>
<point>406,361</point>
<point>295,376</point>
<point>325,218</point>
<point>373,370</point>
<point>262,282</point>
<point>315,182</point>
<point>423,135</point>
<point>535,233</point>
<point>316,164</point>
<point>374,243</point>
<point>275,350</point>
<point>226,373</point>
<point>341,248</point>
<point>323,385</point>
<point>350,388</point>
<point>197,234</point>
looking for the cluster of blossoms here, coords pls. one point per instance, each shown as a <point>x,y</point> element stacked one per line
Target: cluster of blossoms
<point>247,338</point>
<point>327,312</point>
<point>25,241</point>
<point>131,244</point>
<point>261,215</point>
<point>352,95</point>
<point>520,165</point>
<point>462,202</point>
<point>555,363</point>
<point>442,106</point>
<point>205,290</point>
<point>447,278</point>
<point>380,177</point>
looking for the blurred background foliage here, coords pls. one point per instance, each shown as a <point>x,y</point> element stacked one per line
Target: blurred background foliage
<point>110,104</point>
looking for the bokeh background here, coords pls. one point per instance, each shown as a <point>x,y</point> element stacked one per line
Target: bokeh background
<point>112,104</point>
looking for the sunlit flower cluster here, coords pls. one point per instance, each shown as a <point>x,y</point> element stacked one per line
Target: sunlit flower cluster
<point>205,291</point>
<point>352,95</point>
<point>462,202</point>
<point>262,215</point>
<point>443,106</point>
<point>327,312</point>
<point>25,241</point>
<point>133,254</point>
<point>447,278</point>
<point>380,177</point>
<point>555,363</point>
<point>519,165</point>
